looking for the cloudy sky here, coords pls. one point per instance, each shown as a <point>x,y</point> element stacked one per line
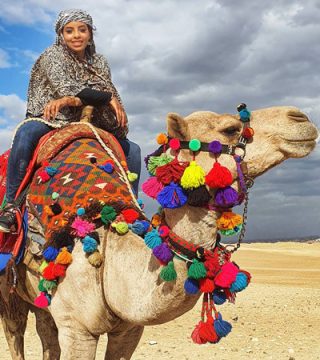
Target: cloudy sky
<point>187,55</point>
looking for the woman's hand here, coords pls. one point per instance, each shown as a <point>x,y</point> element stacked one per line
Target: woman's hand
<point>54,106</point>
<point>118,111</point>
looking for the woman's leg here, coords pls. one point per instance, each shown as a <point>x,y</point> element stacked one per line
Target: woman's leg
<point>24,144</point>
<point>132,152</point>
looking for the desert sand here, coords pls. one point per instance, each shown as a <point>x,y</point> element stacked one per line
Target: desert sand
<point>276,317</point>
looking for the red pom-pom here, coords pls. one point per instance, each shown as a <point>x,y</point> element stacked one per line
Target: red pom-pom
<point>130,215</point>
<point>207,331</point>
<point>174,144</point>
<point>219,176</point>
<point>45,163</point>
<point>171,172</point>
<point>227,275</point>
<point>43,176</point>
<point>59,270</point>
<point>164,231</point>
<point>48,272</point>
<point>248,133</point>
<point>195,336</point>
<point>206,285</point>
<point>211,264</point>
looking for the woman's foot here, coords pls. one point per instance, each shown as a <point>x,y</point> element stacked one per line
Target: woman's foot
<point>8,219</point>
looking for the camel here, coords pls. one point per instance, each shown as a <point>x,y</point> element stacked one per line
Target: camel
<point>127,294</point>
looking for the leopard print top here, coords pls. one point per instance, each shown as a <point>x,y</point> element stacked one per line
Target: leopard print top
<point>58,73</point>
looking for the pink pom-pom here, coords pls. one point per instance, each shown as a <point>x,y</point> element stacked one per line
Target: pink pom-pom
<point>151,187</point>
<point>227,275</point>
<point>164,231</point>
<point>82,227</point>
<point>174,144</point>
<point>41,301</point>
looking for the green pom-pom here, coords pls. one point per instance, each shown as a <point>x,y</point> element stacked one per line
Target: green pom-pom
<point>46,285</point>
<point>40,286</point>
<point>55,195</point>
<point>132,176</point>
<point>43,265</point>
<point>155,161</point>
<point>231,232</point>
<point>121,227</point>
<point>197,270</point>
<point>168,273</point>
<point>108,214</point>
<point>194,145</point>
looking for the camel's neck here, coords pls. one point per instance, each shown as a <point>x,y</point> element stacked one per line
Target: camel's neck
<point>196,225</point>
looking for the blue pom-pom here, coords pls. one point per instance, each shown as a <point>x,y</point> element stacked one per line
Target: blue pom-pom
<point>145,224</point>
<point>240,283</point>
<point>219,297</point>
<point>244,115</point>
<point>222,327</point>
<point>172,196</point>
<point>51,170</point>
<point>141,204</point>
<point>50,253</point>
<point>48,296</point>
<point>89,244</point>
<point>138,227</point>
<point>191,286</point>
<point>81,211</point>
<point>152,239</point>
<point>108,168</point>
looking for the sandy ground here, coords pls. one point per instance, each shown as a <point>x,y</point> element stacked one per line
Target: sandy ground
<point>276,317</point>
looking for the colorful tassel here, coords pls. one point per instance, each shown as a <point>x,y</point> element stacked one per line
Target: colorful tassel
<point>199,196</point>
<point>168,273</point>
<point>197,270</point>
<point>207,331</point>
<point>219,297</point>
<point>46,285</point>
<point>152,239</point>
<point>50,253</point>
<point>130,215</point>
<point>171,172</point>
<point>191,286</point>
<point>231,232</point>
<point>174,144</point>
<point>51,171</point>
<point>108,214</point>
<point>59,270</point>
<point>195,336</point>
<point>172,196</point>
<point>162,139</point>
<point>155,161</point>
<point>163,253</point>
<point>226,197</point>
<point>228,220</point>
<point>121,227</point>
<point>81,211</point>
<point>240,283</point>
<point>64,257</point>
<point>218,177</point>
<point>206,285</point>
<point>156,220</point>
<point>48,272</point>
<point>89,244</point>
<point>151,187</point>
<point>227,275</point>
<point>193,176</point>
<point>43,176</point>
<point>108,168</point>
<point>222,327</point>
<point>95,259</point>
<point>43,265</point>
<point>139,227</point>
<point>132,176</point>
<point>82,227</point>
<point>41,301</point>
<point>163,231</point>
<point>194,145</point>
<point>215,147</point>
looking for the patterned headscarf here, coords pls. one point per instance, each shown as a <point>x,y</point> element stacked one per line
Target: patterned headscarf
<point>67,16</point>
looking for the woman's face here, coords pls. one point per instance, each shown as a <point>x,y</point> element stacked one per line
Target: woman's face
<point>77,35</point>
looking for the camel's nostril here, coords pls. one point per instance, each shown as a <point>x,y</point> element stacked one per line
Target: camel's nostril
<point>297,116</point>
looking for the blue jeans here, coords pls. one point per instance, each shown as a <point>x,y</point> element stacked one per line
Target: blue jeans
<point>26,140</point>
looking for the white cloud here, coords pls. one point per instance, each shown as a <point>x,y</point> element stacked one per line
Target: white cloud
<point>4,59</point>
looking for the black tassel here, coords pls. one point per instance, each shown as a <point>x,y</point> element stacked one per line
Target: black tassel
<point>199,196</point>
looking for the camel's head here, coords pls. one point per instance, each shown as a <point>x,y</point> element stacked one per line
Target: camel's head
<point>279,133</point>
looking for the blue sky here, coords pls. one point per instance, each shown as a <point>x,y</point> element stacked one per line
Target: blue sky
<point>177,56</point>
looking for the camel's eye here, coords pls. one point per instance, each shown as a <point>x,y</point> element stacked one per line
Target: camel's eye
<point>231,131</point>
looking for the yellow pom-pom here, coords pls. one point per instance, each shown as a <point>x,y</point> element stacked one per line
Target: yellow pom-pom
<point>121,227</point>
<point>193,176</point>
<point>132,176</point>
<point>64,257</point>
<point>124,164</point>
<point>43,265</point>
<point>47,209</point>
<point>162,139</point>
<point>95,259</point>
<point>156,220</point>
<point>229,220</point>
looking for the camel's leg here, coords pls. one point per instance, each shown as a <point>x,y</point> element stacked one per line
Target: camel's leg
<point>48,333</point>
<point>122,342</point>
<point>14,330</point>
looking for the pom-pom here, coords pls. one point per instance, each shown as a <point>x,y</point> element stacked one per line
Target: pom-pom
<point>228,220</point>
<point>55,195</point>
<point>50,253</point>
<point>59,270</point>
<point>231,232</point>
<point>226,197</point>
<point>152,239</point>
<point>195,336</point>
<point>215,147</point>
<point>89,244</point>
<point>82,227</point>
<point>95,259</point>
<point>241,106</point>
<point>244,115</point>
<point>206,285</point>
<point>168,273</point>
<point>43,265</point>
<point>163,253</point>
<point>219,297</point>
<point>130,215</point>
<point>141,204</point>
<point>132,176</point>
<point>193,176</point>
<point>47,209</point>
<point>56,208</point>
<point>227,275</point>
<point>240,283</point>
<point>156,220</point>
<point>121,227</point>
<point>162,139</point>
<point>64,257</point>
<point>211,264</point>
<point>139,227</point>
<point>172,196</point>
<point>62,239</point>
<point>93,160</point>
<point>164,231</point>
<point>155,161</point>
<point>218,177</point>
<point>46,285</point>
<point>48,272</point>
<point>194,145</point>
<point>191,286</point>
<point>108,214</point>
<point>151,187</point>
<point>171,172</point>
<point>41,301</point>
<point>174,144</point>
<point>51,171</point>
<point>248,133</point>
<point>108,168</point>
<point>197,270</point>
<point>81,211</point>
<point>222,327</point>
<point>43,176</point>
<point>207,331</point>
<point>199,196</point>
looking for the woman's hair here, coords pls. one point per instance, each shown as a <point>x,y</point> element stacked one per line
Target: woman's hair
<point>67,16</point>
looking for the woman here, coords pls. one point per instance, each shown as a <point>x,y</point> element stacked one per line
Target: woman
<point>67,76</point>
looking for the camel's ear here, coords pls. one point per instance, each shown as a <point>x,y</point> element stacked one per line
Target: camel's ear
<point>177,127</point>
